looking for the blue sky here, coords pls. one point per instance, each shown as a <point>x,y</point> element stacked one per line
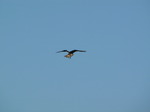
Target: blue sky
<point>112,76</point>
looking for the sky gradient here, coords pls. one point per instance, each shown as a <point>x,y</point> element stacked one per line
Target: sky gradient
<point>112,76</point>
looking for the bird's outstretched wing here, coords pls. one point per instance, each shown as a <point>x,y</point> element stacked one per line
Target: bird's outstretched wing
<point>77,51</point>
<point>62,51</point>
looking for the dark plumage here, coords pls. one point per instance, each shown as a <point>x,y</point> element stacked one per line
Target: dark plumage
<point>70,53</point>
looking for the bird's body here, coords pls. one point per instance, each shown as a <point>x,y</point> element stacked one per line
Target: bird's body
<point>70,53</point>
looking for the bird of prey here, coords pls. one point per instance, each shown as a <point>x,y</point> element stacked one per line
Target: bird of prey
<point>70,53</point>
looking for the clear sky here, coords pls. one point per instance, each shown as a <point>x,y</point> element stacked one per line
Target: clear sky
<point>112,76</point>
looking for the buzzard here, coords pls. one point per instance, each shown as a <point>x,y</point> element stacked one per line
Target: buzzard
<point>70,53</point>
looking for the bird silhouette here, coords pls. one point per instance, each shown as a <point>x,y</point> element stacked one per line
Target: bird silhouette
<point>70,53</point>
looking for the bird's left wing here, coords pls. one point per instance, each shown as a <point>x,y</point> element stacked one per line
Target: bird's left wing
<point>77,51</point>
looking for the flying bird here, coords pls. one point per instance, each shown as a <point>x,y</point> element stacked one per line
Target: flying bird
<point>70,53</point>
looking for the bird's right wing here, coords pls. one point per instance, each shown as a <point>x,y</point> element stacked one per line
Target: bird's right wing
<point>62,51</point>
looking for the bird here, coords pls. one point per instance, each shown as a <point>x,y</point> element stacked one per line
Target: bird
<point>70,53</point>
